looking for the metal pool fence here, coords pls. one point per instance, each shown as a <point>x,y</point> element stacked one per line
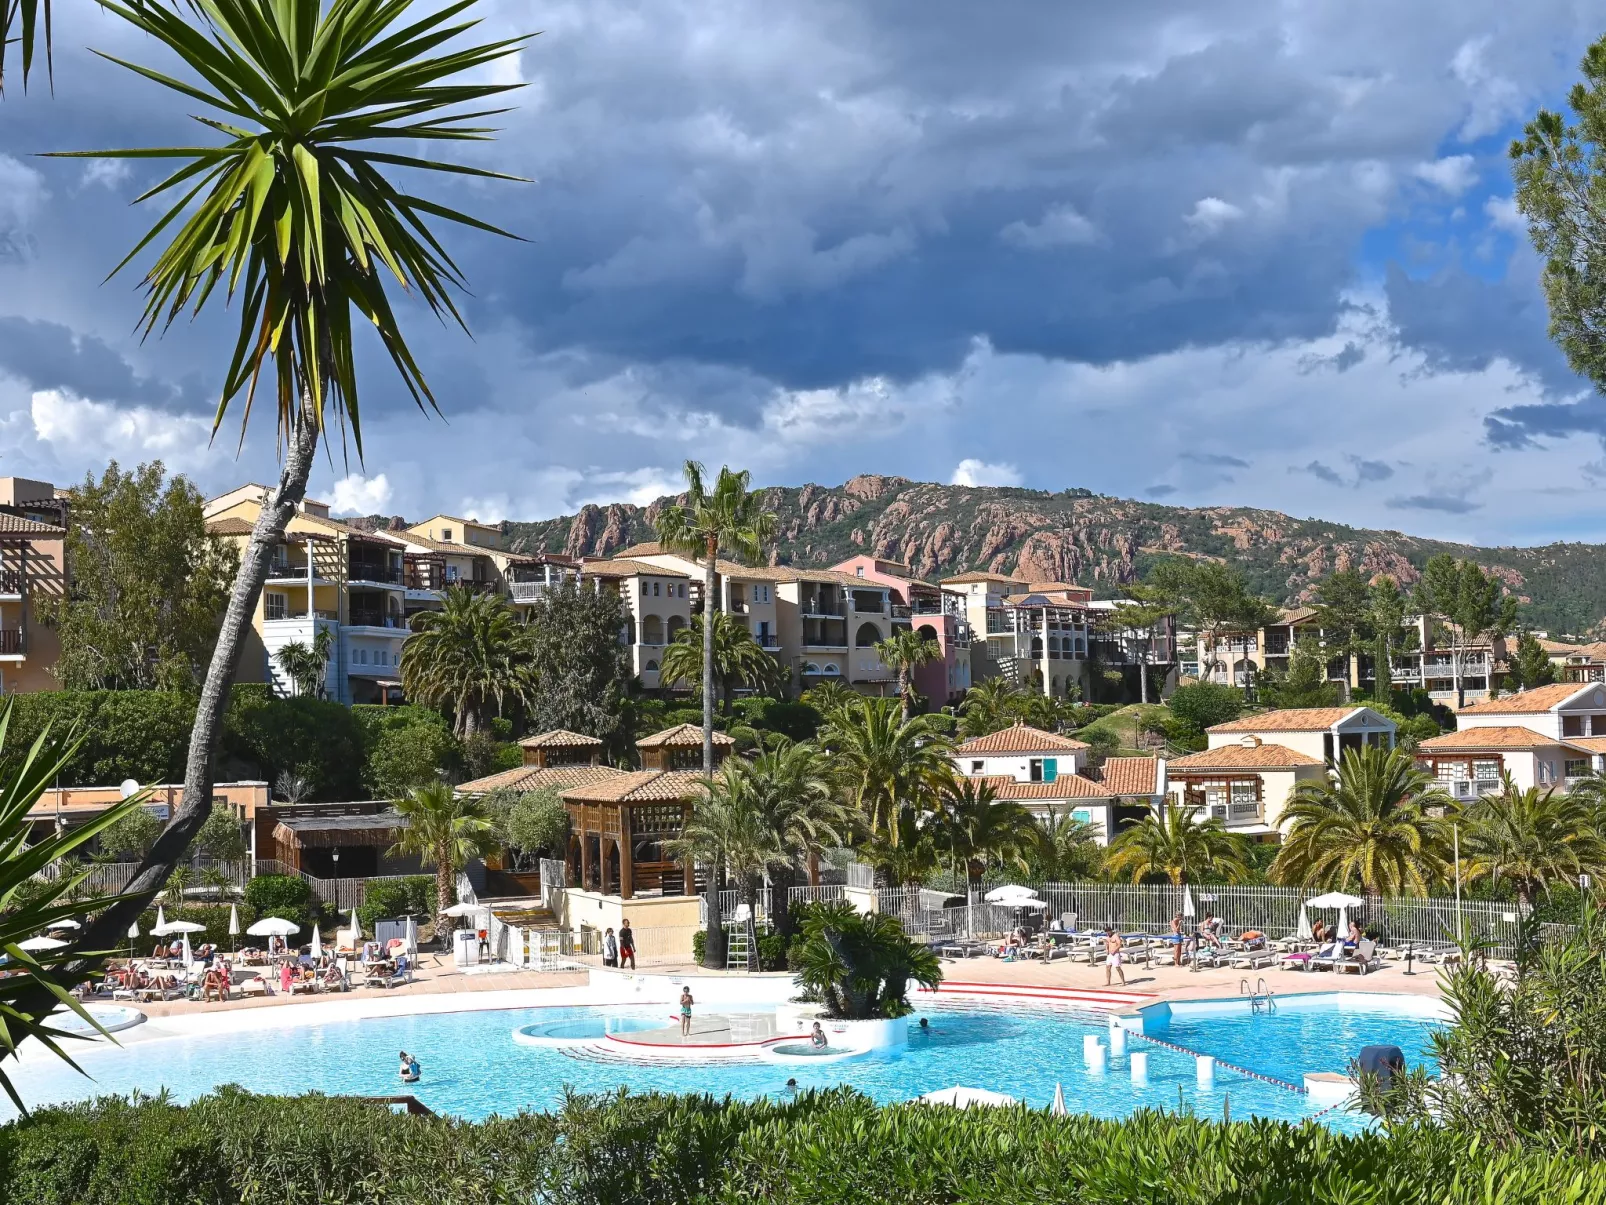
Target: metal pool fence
<point>1148,908</point>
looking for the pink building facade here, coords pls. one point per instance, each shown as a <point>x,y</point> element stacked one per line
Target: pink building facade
<point>921,605</point>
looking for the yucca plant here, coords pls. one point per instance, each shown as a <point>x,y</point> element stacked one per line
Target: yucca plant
<point>290,215</point>
<point>38,887</point>
<point>23,22</point>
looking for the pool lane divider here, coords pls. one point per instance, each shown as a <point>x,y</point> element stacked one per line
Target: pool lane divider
<point>1298,1089</point>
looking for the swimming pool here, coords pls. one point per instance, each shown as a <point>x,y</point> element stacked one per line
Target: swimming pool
<point>472,1067</point>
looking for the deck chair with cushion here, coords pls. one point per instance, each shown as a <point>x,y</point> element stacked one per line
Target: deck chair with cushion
<point>1363,962</point>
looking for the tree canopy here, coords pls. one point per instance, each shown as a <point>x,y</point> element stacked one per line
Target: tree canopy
<point>582,672</point>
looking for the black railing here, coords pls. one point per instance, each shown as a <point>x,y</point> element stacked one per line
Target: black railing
<point>11,642</point>
<point>11,581</point>
<point>765,641</point>
<point>371,618</point>
<point>373,571</point>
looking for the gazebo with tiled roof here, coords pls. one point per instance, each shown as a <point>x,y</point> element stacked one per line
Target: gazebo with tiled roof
<point>681,748</point>
<point>560,747</point>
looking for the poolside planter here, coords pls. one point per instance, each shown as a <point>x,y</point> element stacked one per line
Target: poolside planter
<point>857,1035</point>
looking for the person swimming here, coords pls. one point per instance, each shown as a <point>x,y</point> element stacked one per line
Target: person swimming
<point>818,1039</point>
<point>924,1024</point>
<point>409,1068</point>
<point>791,1084</point>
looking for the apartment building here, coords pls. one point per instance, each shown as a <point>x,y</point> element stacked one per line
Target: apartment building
<point>1548,737</point>
<point>657,605</point>
<point>1433,665</point>
<point>937,616</point>
<point>1029,633</point>
<point>33,567</point>
<point>327,576</point>
<point>820,623</point>
<point>1577,662</point>
<point>1253,764</point>
<point>1050,775</point>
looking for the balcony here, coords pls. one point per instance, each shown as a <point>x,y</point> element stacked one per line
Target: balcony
<point>475,585</point>
<point>12,642</point>
<point>999,624</point>
<point>766,641</point>
<point>372,571</point>
<point>292,571</point>
<point>366,617</point>
<point>811,609</point>
<point>527,592</point>
<point>11,582</point>
<point>899,611</point>
<point>1277,644</point>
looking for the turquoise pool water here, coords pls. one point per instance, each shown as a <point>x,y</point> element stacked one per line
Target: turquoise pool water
<point>473,1068</point>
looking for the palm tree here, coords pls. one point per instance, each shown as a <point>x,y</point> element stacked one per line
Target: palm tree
<point>738,658</point>
<point>1181,847</point>
<point>446,830</point>
<point>306,665</point>
<point>988,706</point>
<point>883,766</point>
<point>40,882</point>
<point>792,787</point>
<point>726,518</point>
<point>1070,847</point>
<point>1535,838</point>
<point>730,828</point>
<point>1368,826</point>
<point>973,828</point>
<point>291,210</point>
<point>905,651</point>
<point>830,695</point>
<point>471,653</point>
<point>24,15</point>
<point>908,856</point>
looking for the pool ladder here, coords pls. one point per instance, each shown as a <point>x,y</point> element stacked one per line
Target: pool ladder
<point>1260,996</point>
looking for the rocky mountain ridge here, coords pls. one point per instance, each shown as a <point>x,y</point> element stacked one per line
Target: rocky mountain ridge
<point>1076,535</point>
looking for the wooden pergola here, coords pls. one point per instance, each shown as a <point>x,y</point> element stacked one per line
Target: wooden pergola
<point>618,827</point>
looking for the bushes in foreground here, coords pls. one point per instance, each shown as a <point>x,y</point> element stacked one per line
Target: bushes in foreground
<point>834,1147</point>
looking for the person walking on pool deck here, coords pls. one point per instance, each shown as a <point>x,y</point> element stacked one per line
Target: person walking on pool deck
<point>1112,956</point>
<point>627,945</point>
<point>685,1010</point>
<point>610,950</point>
<point>1176,939</point>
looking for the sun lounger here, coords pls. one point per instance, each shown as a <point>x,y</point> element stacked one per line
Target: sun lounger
<point>1363,961</point>
<point>1299,960</point>
<point>1254,959</point>
<point>254,986</point>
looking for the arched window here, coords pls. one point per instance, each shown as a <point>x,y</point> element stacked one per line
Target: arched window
<point>1037,648</point>
<point>810,668</point>
<point>867,635</point>
<point>652,630</point>
<point>1054,650</point>
<point>831,667</point>
<point>676,623</point>
<point>927,632</point>
<point>651,667</point>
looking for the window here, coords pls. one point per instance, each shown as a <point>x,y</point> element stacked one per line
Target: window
<point>976,767</point>
<point>446,534</point>
<point>1577,767</point>
<point>275,604</point>
<point>657,589</point>
<point>1488,771</point>
<point>1082,816</point>
<point>1597,725</point>
<point>1572,725</point>
<point>1051,769</point>
<point>859,572</point>
<point>1035,769</point>
<point>1547,772</point>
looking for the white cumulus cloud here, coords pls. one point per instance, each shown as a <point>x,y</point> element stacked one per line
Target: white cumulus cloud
<point>1060,226</point>
<point>1211,214</point>
<point>355,494</point>
<point>1503,214</point>
<point>971,471</point>
<point>1453,174</point>
<point>81,430</point>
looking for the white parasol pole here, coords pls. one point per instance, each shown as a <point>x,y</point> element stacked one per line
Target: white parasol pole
<point>234,926</point>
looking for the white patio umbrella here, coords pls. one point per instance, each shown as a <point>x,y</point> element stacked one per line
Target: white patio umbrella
<point>1303,932</point>
<point>356,928</point>
<point>317,944</point>
<point>168,928</point>
<point>1187,903</point>
<point>1009,893</point>
<point>1341,901</point>
<point>40,943</point>
<point>187,957</point>
<point>234,920</point>
<point>412,937</point>
<point>65,922</point>
<point>1058,1107</point>
<point>466,910</point>
<point>273,926</point>
<point>963,1098</point>
<point>160,919</point>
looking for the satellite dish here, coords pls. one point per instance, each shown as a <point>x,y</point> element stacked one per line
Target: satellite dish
<point>129,787</point>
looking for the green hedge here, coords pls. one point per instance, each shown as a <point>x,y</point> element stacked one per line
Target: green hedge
<point>828,1148</point>
<point>386,899</point>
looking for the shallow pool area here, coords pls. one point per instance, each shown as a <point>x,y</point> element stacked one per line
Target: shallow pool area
<point>473,1066</point>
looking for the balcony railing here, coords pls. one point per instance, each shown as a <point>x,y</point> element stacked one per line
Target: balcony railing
<point>11,581</point>
<point>12,643</point>
<point>766,641</point>
<point>371,571</point>
<point>818,610</point>
<point>366,618</point>
<point>527,592</point>
<point>279,570</point>
<point>1276,644</point>
<point>899,611</point>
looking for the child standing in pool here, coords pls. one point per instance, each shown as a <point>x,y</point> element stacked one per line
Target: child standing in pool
<point>685,1011</point>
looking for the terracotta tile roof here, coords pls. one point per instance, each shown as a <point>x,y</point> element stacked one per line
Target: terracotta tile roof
<point>1289,615</point>
<point>16,525</point>
<point>1495,737</point>
<point>626,569</point>
<point>645,548</point>
<point>640,786</point>
<point>1595,744</point>
<point>1018,738</point>
<point>533,778</point>
<point>681,736</point>
<point>561,738</point>
<point>1066,786</point>
<point>1130,775</point>
<point>1241,757</point>
<point>1528,702</point>
<point>228,527</point>
<point>977,575</point>
<point>1292,719</point>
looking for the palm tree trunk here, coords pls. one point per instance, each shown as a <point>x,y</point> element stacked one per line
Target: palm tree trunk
<point>708,658</point>
<point>903,690</point>
<point>106,931</point>
<point>714,936</point>
<point>443,890</point>
<point>781,880</point>
<point>1143,668</point>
